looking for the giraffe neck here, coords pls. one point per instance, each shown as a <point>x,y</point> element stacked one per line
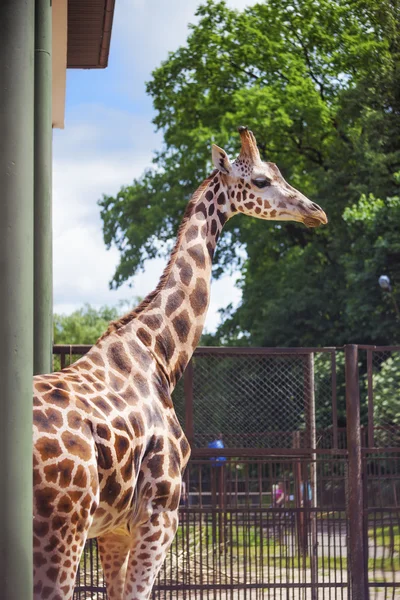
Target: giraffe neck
<point>169,322</point>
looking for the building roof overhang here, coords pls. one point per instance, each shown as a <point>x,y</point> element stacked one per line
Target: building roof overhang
<point>89,33</point>
<point>81,40</point>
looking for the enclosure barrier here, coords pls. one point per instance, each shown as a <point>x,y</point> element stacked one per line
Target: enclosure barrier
<point>303,500</point>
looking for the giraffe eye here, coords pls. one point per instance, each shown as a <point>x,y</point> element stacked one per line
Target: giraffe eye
<point>261,182</point>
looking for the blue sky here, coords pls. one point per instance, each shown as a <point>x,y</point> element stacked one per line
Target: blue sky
<point>108,140</point>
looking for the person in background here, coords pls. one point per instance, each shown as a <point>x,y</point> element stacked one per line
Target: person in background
<point>184,496</point>
<point>217,443</point>
<point>278,494</point>
<point>309,493</point>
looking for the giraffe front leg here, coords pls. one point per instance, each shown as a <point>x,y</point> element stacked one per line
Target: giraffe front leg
<point>56,555</point>
<point>150,543</point>
<point>114,550</point>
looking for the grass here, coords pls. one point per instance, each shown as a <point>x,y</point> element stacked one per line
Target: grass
<point>384,564</point>
<point>388,536</point>
<point>246,544</point>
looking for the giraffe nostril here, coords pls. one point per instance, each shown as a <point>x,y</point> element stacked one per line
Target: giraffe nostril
<point>315,206</point>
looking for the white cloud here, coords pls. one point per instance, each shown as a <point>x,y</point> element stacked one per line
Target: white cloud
<point>85,167</point>
<point>149,29</point>
<point>106,146</point>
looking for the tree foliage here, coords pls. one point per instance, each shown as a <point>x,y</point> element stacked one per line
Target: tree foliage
<point>83,326</point>
<point>387,401</point>
<point>318,81</point>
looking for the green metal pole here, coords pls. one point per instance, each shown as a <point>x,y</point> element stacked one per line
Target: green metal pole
<point>43,283</point>
<point>16,296</point>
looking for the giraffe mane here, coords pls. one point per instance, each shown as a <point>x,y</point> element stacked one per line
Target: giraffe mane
<point>128,317</point>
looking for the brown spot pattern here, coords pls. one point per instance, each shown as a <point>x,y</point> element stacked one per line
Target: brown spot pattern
<point>74,419</point>
<point>116,401</point>
<point>185,447</point>
<point>174,301</point>
<point>174,461</point>
<point>144,336</point>
<point>96,358</point>
<point>199,297</point>
<point>49,422</point>
<point>103,431</point>
<point>121,446</point>
<point>75,445</point>
<point>221,198</point>
<point>192,233</point>
<point>44,501</point>
<point>155,465</point>
<point>104,456</point>
<point>185,271</point>
<point>58,397</point>
<point>163,491</point>
<point>111,489</point>
<point>43,386</point>
<point>136,421</point>
<point>102,405</point>
<point>127,469</point>
<point>181,324</point>
<point>51,473</point>
<point>141,355</point>
<point>174,427</point>
<point>48,448</point>
<point>80,477</point>
<point>141,384</point>
<point>201,211</point>
<point>180,365</point>
<point>119,359</point>
<point>152,321</point>
<point>197,253</point>
<point>165,346</point>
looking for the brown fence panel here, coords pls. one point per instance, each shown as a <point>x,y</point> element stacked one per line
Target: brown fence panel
<point>261,397</point>
<point>380,401</point>
<point>288,433</point>
<point>382,523</point>
<point>380,389</point>
<point>246,532</point>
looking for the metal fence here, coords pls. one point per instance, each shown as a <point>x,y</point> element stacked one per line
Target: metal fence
<point>304,500</point>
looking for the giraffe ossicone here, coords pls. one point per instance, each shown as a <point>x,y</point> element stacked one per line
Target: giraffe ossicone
<point>109,451</point>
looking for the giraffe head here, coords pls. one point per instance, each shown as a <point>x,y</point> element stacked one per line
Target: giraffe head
<point>258,189</point>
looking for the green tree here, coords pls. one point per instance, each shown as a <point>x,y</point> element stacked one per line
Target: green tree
<point>387,402</point>
<point>83,326</point>
<point>318,82</point>
<point>375,250</point>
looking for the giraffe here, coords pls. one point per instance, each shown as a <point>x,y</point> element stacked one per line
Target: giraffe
<point>109,451</point>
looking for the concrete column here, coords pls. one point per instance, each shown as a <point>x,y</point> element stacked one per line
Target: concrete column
<point>16,296</point>
<point>43,244</point>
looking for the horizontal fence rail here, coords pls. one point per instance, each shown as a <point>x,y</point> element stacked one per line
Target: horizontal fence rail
<point>269,492</point>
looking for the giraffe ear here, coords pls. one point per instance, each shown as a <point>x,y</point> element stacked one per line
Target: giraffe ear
<point>221,160</point>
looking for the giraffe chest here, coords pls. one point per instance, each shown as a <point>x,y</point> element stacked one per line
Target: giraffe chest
<point>149,478</point>
<point>104,440</point>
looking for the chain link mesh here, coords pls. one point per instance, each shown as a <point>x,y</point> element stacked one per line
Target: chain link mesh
<point>262,400</point>
<point>386,397</point>
<point>265,399</point>
<point>253,400</point>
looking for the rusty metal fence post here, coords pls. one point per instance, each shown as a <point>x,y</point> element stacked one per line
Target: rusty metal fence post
<point>310,500</point>
<point>357,557</point>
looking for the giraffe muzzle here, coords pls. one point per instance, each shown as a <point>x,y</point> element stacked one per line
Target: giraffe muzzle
<point>316,221</point>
